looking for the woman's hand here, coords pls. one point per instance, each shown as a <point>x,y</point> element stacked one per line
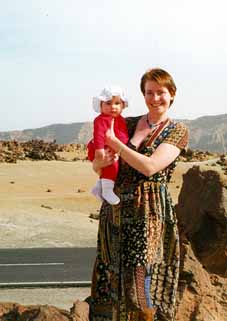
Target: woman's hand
<point>110,139</point>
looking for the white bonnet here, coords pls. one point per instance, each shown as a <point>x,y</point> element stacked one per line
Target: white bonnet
<point>106,94</point>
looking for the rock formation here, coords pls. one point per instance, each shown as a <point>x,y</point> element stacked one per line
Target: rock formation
<point>193,155</point>
<point>17,312</point>
<point>202,216</point>
<point>11,151</point>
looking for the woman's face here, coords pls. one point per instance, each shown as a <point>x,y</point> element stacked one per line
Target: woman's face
<point>157,97</point>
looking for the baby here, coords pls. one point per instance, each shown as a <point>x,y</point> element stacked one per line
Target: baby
<point>109,104</point>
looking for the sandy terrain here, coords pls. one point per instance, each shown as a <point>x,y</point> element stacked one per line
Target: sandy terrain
<point>47,204</point>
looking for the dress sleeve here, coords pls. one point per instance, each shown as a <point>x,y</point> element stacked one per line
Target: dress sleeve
<point>101,124</point>
<point>91,150</point>
<point>178,136</point>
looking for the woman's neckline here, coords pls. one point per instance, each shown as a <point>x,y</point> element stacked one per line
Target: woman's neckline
<point>151,132</point>
<point>154,125</point>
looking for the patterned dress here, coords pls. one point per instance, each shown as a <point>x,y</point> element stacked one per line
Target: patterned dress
<point>136,271</point>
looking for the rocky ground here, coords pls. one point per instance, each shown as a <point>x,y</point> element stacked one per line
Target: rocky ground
<point>12,151</point>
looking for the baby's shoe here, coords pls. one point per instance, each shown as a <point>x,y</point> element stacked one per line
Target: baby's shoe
<point>108,193</point>
<point>97,190</point>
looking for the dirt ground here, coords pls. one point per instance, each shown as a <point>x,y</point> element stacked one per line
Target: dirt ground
<point>47,204</point>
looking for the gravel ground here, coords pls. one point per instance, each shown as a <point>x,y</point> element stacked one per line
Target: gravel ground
<point>61,298</point>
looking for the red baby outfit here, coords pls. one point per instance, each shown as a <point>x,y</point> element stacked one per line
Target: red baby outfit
<point>101,124</point>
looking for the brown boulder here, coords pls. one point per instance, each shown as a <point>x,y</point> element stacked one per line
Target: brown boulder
<point>202,216</point>
<point>17,312</point>
<point>202,212</point>
<point>80,311</point>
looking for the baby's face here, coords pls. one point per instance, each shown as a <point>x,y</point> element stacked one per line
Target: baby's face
<point>112,107</point>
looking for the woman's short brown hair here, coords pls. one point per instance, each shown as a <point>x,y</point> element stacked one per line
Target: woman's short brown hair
<point>160,76</point>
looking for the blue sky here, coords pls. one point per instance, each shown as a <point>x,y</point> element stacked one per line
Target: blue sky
<point>56,54</point>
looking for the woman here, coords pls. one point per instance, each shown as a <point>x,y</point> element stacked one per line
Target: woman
<point>137,266</point>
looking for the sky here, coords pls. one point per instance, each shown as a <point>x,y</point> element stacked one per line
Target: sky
<point>55,55</point>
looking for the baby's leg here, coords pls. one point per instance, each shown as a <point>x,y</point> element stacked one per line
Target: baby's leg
<point>97,190</point>
<point>108,178</point>
<point>108,191</point>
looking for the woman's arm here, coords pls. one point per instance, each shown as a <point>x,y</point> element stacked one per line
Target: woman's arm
<point>164,155</point>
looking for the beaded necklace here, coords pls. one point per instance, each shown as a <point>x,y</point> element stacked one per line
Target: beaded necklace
<point>151,125</point>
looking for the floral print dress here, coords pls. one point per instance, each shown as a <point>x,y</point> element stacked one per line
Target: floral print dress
<point>136,270</point>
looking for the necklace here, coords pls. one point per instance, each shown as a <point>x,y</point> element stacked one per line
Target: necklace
<point>151,125</point>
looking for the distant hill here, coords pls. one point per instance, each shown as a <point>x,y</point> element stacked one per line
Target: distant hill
<point>63,133</point>
<point>208,133</point>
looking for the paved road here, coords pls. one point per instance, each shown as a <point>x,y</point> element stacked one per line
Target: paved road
<point>46,267</point>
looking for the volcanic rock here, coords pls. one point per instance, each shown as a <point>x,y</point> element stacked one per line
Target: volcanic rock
<point>11,151</point>
<point>202,216</point>
<point>17,312</point>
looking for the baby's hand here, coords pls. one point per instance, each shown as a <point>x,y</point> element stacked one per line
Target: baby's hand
<point>110,155</point>
<point>107,160</point>
<point>100,154</point>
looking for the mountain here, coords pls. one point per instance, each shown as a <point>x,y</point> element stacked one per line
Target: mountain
<point>63,133</point>
<point>207,133</point>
